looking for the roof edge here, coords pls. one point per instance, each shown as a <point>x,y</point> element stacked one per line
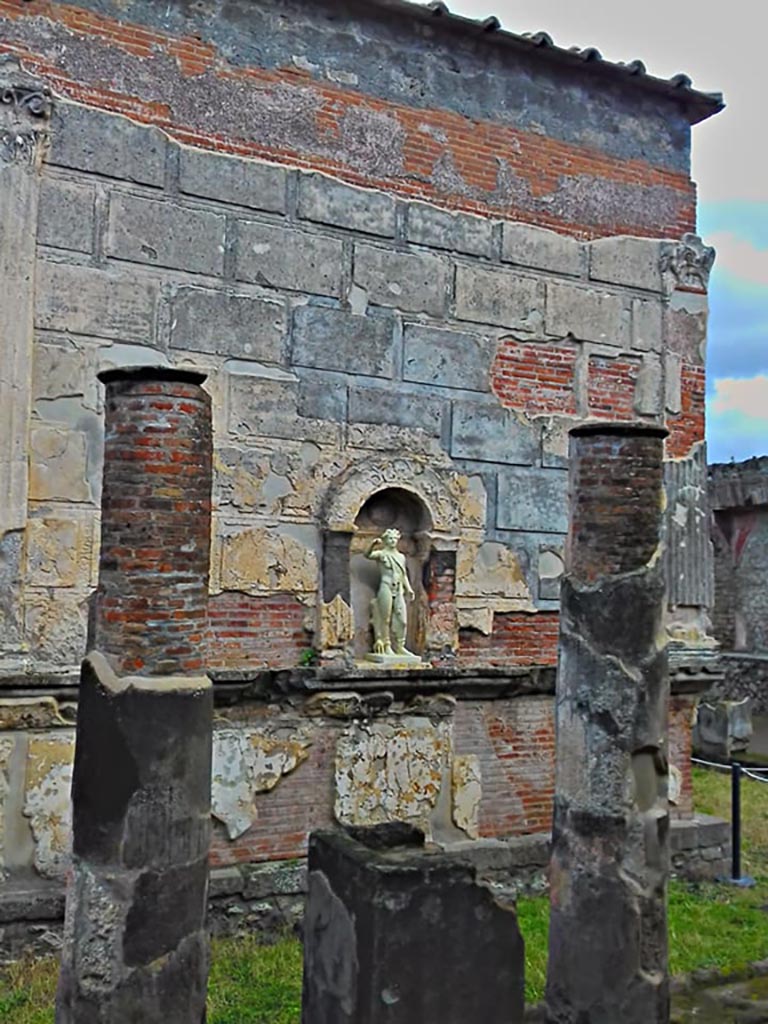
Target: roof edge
<point>698,105</point>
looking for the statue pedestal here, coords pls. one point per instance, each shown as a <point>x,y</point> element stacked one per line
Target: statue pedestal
<point>397,660</point>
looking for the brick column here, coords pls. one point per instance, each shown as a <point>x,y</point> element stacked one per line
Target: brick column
<point>152,600</point>
<point>135,945</point>
<point>610,847</point>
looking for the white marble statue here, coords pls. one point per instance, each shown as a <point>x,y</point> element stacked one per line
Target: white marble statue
<point>389,613</point>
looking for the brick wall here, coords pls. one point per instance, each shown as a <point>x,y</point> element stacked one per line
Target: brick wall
<point>611,387</point>
<point>680,721</point>
<point>248,631</point>
<point>517,639</point>
<point>538,379</point>
<point>686,428</point>
<point>514,741</point>
<point>402,122</point>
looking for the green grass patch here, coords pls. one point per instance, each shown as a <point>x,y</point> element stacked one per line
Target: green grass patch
<point>709,926</point>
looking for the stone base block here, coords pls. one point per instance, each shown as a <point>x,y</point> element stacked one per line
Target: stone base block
<point>405,935</point>
<point>395,661</point>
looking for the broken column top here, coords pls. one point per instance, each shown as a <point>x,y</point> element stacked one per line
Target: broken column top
<point>181,375</point>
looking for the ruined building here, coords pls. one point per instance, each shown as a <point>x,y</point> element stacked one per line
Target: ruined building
<point>738,498</point>
<point>409,251</point>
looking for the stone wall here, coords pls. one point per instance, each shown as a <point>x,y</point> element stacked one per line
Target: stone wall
<point>744,675</point>
<point>738,496</point>
<point>346,352</point>
<point>396,277</point>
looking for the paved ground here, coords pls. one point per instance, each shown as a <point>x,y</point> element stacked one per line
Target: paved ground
<point>743,1003</point>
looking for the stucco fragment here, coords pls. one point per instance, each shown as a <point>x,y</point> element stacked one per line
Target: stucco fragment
<point>467,792</point>
<point>30,713</point>
<point>490,569</point>
<point>59,551</point>
<point>47,801</point>
<point>265,560</point>
<point>337,625</point>
<point>6,749</point>
<point>391,771</point>
<point>58,465</point>
<point>246,762</point>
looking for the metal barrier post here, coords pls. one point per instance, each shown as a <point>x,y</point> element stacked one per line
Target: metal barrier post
<point>735,821</point>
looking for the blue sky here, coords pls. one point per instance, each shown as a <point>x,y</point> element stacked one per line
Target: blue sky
<point>730,165</point>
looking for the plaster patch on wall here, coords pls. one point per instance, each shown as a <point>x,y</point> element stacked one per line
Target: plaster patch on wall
<point>492,570</point>
<point>57,465</point>
<point>466,783</point>
<point>337,627</point>
<point>47,801</point>
<point>7,744</point>
<point>59,551</point>
<point>246,762</point>
<point>261,560</point>
<point>33,713</point>
<point>387,771</point>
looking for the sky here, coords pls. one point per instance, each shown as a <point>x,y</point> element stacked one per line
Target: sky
<point>723,49</point>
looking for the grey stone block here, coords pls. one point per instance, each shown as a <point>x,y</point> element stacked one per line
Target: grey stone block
<point>586,313</point>
<point>529,246</point>
<point>165,234</point>
<point>232,180</point>
<point>648,389</point>
<point>327,201</point>
<point>83,300</point>
<point>489,433</point>
<point>281,879</point>
<point>242,326</point>
<point>673,370</point>
<point>334,339</point>
<point>630,261</point>
<point>375,405</point>
<point>683,835</point>
<point>442,229</point>
<point>498,297</point>
<point>647,331</point>
<point>533,499</point>
<point>91,140</point>
<point>281,258</point>
<point>450,359</point>
<point>410,281</point>
<point>66,215</point>
<point>268,407</point>
<point>323,396</point>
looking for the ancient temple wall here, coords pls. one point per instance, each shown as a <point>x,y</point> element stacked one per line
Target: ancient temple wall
<point>340,335</point>
<point>392,275</point>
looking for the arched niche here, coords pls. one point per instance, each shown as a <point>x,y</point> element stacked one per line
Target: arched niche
<point>389,508</point>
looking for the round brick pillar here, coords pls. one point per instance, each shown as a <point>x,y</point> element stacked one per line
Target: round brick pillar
<point>135,941</point>
<point>610,855</point>
<point>152,599</point>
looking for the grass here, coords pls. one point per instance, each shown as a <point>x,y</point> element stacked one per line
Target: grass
<point>709,926</point>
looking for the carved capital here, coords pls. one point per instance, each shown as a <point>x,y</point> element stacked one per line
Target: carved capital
<point>687,264</point>
<point>25,112</point>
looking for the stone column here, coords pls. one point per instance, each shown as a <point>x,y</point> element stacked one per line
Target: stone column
<point>25,110</point>
<point>610,845</point>
<point>135,943</point>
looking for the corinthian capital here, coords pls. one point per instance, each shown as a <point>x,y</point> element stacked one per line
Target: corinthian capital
<point>25,111</point>
<point>687,263</point>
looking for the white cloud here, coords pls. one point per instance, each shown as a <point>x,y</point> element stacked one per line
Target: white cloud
<point>740,258</point>
<point>747,397</point>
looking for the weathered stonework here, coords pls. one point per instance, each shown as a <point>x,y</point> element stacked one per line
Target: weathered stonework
<point>246,762</point>
<point>610,835</point>
<point>47,801</point>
